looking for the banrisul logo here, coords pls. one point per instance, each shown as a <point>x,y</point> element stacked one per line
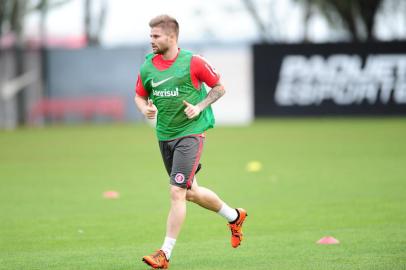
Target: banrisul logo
<point>166,93</point>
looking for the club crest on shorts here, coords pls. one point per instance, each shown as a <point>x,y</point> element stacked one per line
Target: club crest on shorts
<point>179,178</point>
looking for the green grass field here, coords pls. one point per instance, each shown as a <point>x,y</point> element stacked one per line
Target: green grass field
<point>340,177</point>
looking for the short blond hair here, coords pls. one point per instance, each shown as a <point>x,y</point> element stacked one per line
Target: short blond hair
<point>167,23</point>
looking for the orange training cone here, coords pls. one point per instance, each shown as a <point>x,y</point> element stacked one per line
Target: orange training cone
<point>111,194</point>
<point>328,240</point>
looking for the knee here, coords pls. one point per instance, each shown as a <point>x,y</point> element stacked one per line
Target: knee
<point>178,194</point>
<point>191,196</point>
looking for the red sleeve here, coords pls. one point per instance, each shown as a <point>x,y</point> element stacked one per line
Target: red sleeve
<point>202,71</point>
<point>139,88</point>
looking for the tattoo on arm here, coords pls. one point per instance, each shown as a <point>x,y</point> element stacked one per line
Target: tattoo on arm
<point>215,93</point>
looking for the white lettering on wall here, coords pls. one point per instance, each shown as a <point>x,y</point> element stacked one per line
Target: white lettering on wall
<point>342,79</point>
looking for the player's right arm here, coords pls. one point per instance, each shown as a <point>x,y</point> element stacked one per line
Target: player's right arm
<point>144,105</point>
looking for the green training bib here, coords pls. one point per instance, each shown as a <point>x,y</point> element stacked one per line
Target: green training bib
<point>167,89</point>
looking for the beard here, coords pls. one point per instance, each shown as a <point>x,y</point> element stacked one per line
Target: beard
<point>160,50</point>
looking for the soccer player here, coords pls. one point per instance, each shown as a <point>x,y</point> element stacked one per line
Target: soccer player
<point>170,87</point>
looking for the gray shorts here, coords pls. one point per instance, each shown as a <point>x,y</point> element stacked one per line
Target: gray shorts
<point>181,158</point>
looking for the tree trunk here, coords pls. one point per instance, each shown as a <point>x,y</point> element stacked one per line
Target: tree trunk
<point>2,15</point>
<point>346,10</point>
<point>263,31</point>
<point>307,17</point>
<point>88,22</point>
<point>367,11</point>
<point>42,23</point>
<point>18,12</point>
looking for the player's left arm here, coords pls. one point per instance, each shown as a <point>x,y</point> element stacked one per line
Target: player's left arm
<point>205,73</point>
<point>215,93</point>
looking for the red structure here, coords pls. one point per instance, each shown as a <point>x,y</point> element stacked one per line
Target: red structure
<point>84,107</point>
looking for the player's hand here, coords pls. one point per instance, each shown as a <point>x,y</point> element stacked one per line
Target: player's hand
<point>191,111</point>
<point>150,110</point>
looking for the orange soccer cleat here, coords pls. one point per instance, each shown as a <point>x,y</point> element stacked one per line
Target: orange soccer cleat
<point>157,260</point>
<point>236,228</point>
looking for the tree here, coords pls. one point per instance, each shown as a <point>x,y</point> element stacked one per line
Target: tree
<point>43,7</point>
<point>367,11</point>
<point>357,17</point>
<point>13,13</point>
<point>262,26</point>
<point>94,21</point>
<point>12,16</point>
<point>268,27</point>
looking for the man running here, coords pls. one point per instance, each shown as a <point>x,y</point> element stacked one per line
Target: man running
<point>170,87</point>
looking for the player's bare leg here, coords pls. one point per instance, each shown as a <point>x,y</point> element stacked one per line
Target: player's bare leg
<point>204,197</point>
<point>210,200</point>
<point>176,217</point>
<point>177,213</point>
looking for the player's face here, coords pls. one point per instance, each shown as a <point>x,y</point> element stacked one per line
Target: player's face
<point>160,41</point>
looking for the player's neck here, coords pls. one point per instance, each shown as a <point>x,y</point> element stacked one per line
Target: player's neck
<point>171,53</point>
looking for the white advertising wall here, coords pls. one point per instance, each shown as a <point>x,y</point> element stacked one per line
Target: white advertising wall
<point>234,64</point>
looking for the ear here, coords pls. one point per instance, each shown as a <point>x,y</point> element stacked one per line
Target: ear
<point>172,37</point>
